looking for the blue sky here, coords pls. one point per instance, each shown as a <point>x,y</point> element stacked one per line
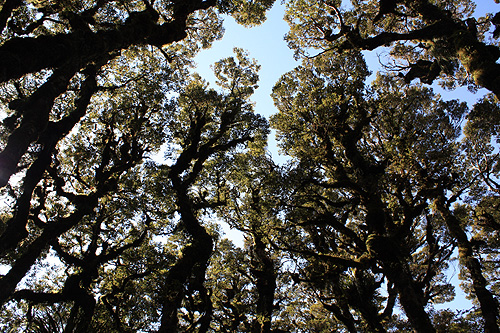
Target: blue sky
<point>265,43</point>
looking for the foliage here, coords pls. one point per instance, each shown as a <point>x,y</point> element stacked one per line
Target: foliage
<point>118,165</point>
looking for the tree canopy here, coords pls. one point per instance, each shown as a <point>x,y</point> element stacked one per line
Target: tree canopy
<point>118,164</point>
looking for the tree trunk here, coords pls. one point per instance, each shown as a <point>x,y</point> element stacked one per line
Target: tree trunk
<point>194,261</point>
<point>411,298</point>
<point>6,12</point>
<point>389,251</point>
<point>479,60</point>
<point>35,111</point>
<point>263,270</point>
<point>68,54</point>
<point>192,264</point>
<point>23,55</point>
<point>33,251</point>
<point>16,226</point>
<point>487,303</point>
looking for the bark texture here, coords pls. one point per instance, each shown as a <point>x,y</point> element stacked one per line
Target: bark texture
<point>487,303</point>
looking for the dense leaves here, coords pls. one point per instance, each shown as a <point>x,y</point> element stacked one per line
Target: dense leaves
<point>424,39</point>
<point>119,165</point>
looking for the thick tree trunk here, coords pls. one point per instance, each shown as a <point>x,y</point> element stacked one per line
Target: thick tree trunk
<point>35,111</point>
<point>264,271</point>
<point>51,231</point>
<point>343,315</point>
<point>487,303</point>
<point>82,313</point>
<point>193,263</point>
<point>395,264</point>
<point>479,60</point>
<point>6,12</point>
<point>410,297</point>
<point>382,244</point>
<point>195,257</point>
<point>389,251</point>
<point>366,305</point>
<point>20,56</point>
<point>16,226</point>
<point>68,54</point>
<point>33,251</point>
